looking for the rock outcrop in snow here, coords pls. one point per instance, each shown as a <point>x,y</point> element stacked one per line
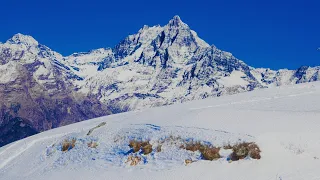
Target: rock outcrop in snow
<point>156,66</point>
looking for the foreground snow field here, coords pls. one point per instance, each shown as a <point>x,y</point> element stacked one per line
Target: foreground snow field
<point>283,121</point>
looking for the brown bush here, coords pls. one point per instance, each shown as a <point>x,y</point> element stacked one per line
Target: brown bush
<point>145,146</point>
<point>147,149</point>
<point>134,160</point>
<point>194,146</point>
<point>243,150</point>
<point>254,151</point>
<point>68,145</point>
<point>210,153</point>
<point>135,145</point>
<point>207,152</point>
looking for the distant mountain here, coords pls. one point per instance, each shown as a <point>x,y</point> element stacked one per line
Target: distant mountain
<point>36,91</point>
<point>40,89</point>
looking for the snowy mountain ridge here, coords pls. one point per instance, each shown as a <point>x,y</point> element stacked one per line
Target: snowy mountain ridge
<point>157,66</point>
<point>171,64</point>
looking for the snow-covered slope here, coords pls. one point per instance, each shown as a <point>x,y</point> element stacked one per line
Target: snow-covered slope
<point>283,121</point>
<point>159,65</point>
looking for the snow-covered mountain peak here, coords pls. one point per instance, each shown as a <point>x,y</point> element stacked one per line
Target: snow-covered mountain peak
<point>144,28</point>
<point>23,39</point>
<point>179,33</point>
<point>176,21</point>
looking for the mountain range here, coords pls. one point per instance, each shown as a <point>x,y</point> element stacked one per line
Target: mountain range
<point>41,89</point>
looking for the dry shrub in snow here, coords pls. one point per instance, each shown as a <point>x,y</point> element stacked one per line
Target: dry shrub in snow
<point>146,149</point>
<point>68,145</point>
<point>145,146</point>
<point>135,145</point>
<point>243,150</point>
<point>134,160</point>
<point>208,152</point>
<point>194,146</point>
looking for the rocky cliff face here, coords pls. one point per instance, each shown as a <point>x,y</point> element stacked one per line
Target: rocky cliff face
<point>40,89</point>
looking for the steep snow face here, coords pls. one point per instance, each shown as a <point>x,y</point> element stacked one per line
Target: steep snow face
<point>9,73</point>
<point>282,121</point>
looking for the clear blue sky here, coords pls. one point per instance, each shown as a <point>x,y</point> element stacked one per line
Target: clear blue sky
<point>269,33</point>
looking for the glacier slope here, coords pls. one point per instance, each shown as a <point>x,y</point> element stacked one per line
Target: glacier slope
<point>283,121</point>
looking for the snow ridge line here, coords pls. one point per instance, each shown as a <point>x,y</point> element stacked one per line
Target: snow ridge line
<point>254,100</point>
<point>6,149</point>
<point>23,149</point>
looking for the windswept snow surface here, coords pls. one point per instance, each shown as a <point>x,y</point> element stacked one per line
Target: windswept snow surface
<point>283,121</point>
